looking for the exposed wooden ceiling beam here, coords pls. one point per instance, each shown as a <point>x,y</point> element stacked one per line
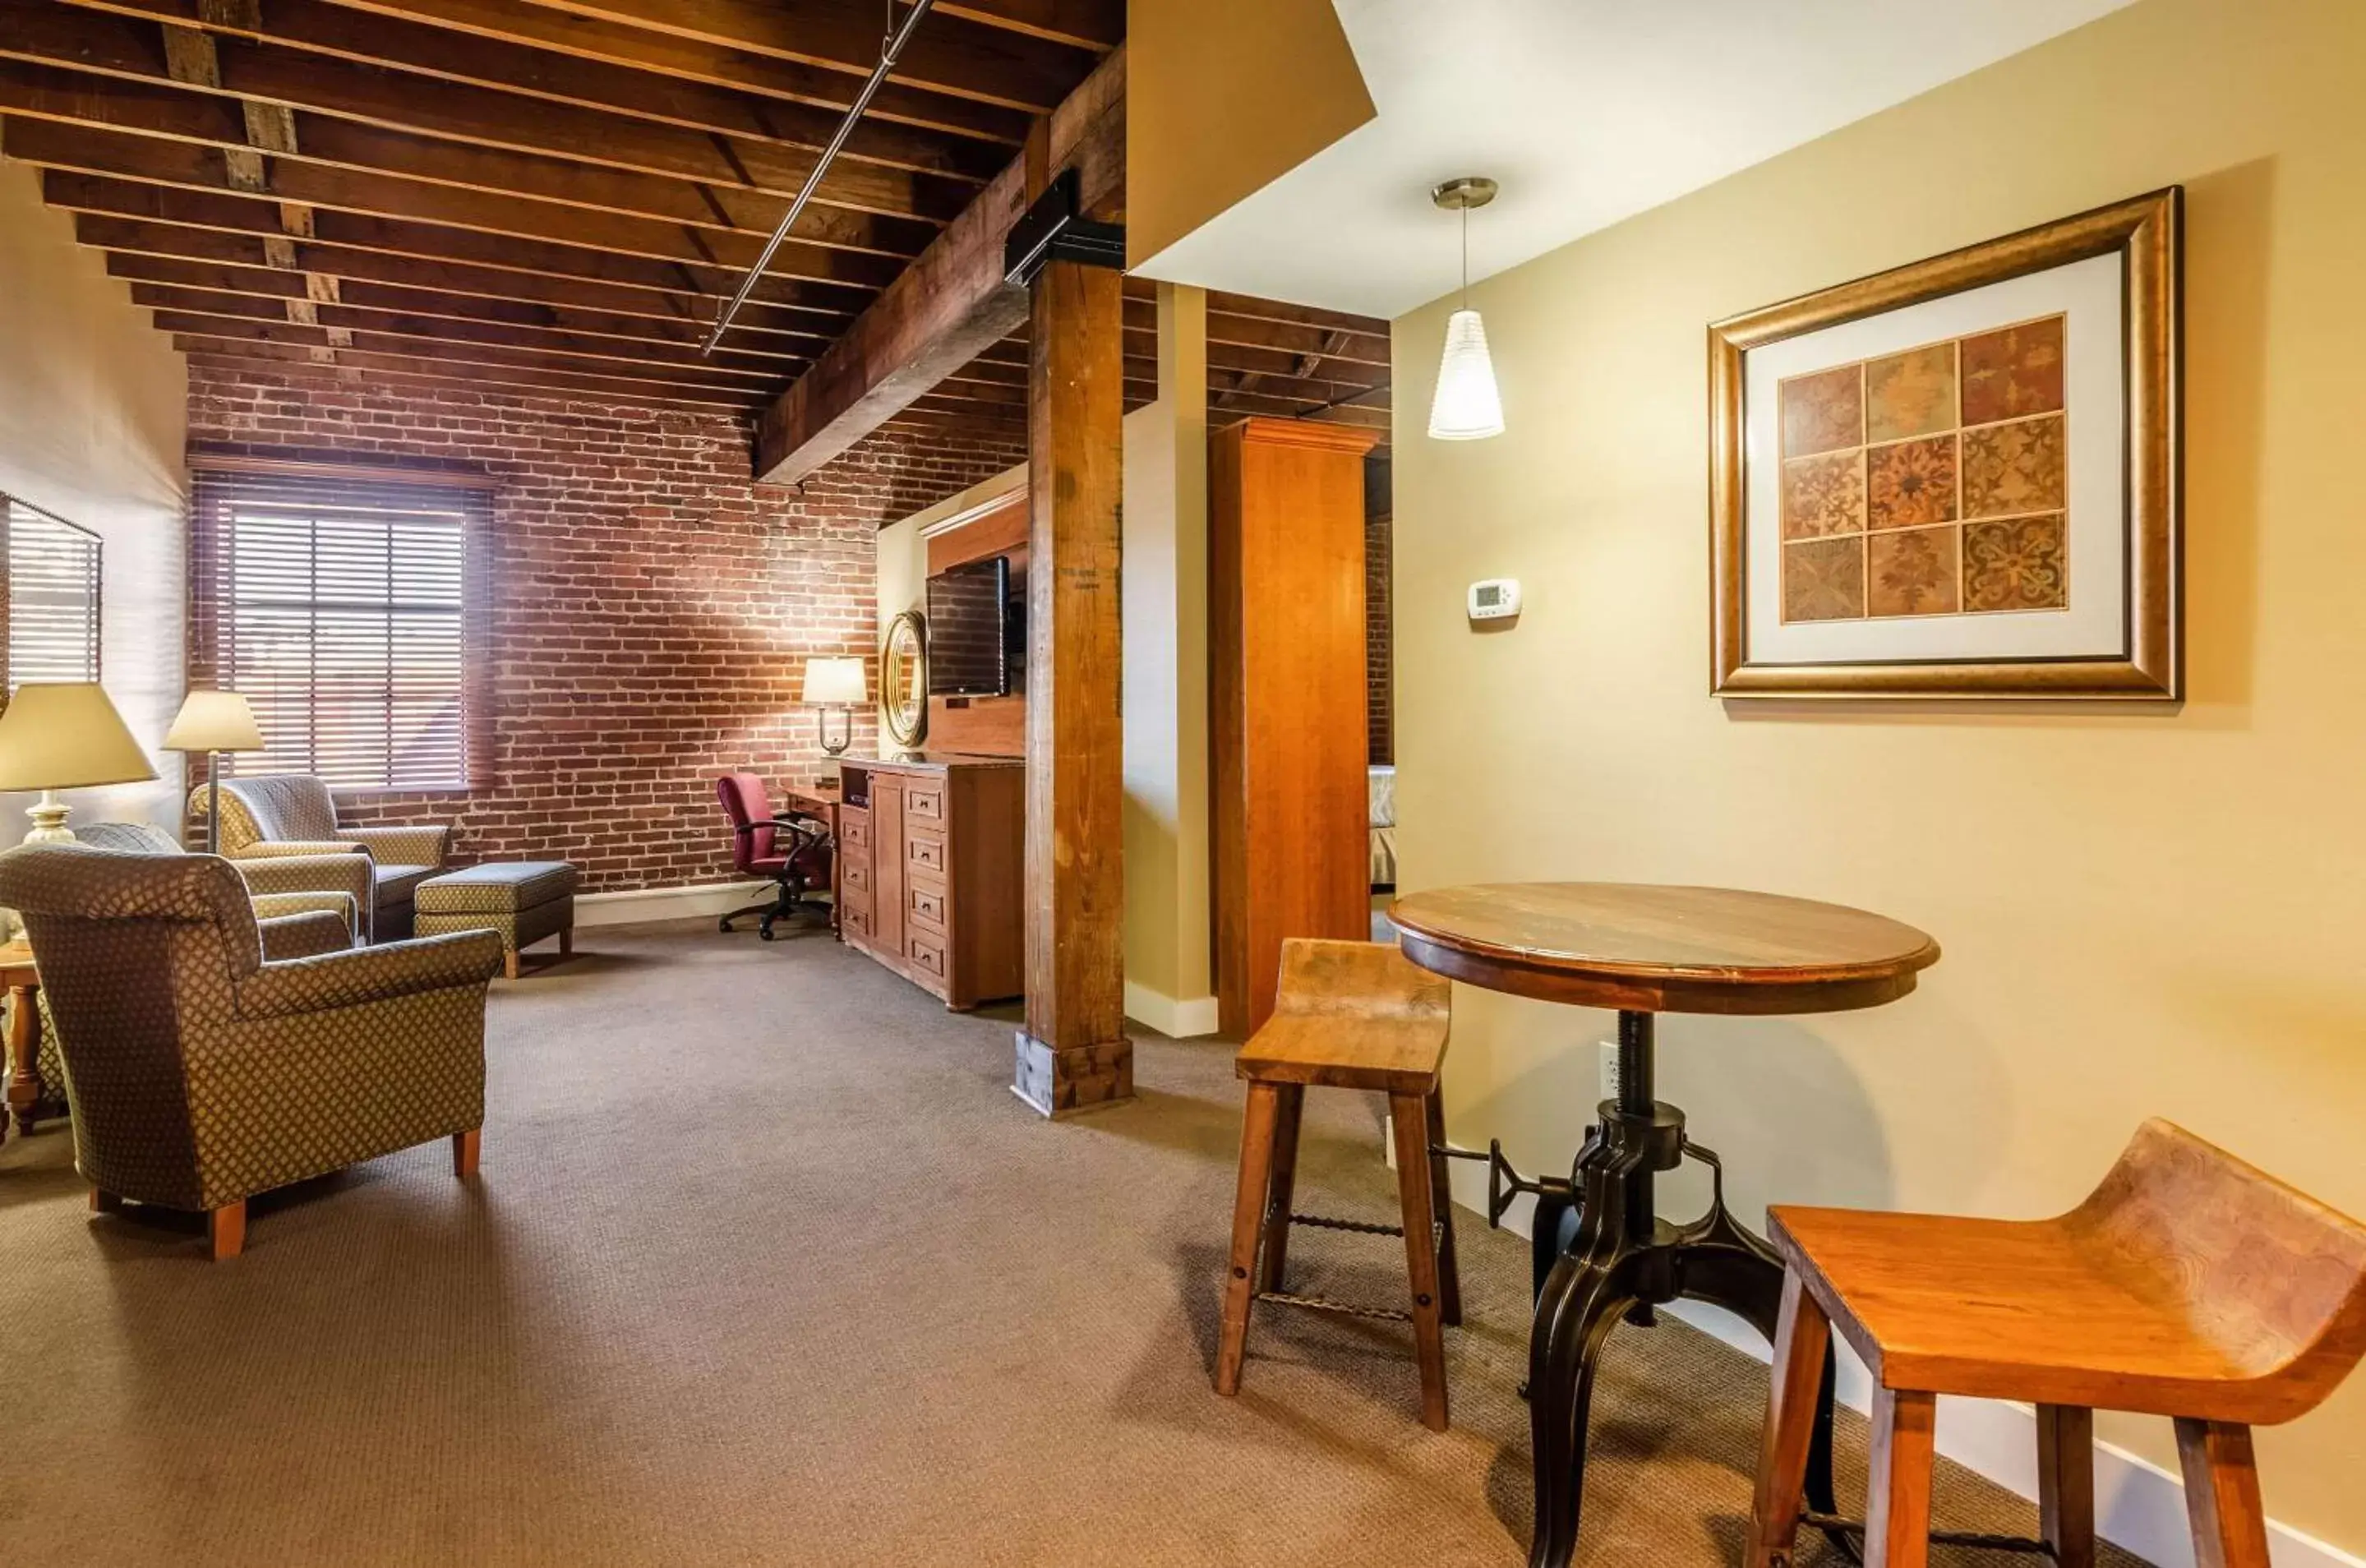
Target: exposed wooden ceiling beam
<point>722,387</point>
<point>951,304</point>
<point>1090,24</point>
<point>584,38</point>
<point>406,255</point>
<point>235,353</point>
<point>323,28</point>
<point>951,53</point>
<point>201,171</point>
<point>140,57</point>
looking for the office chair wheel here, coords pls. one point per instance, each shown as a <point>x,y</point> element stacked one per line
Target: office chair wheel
<point>765,931</point>
<point>723,925</point>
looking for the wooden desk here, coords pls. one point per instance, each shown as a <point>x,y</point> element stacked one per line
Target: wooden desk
<point>23,984</point>
<point>812,800</point>
<point>1601,1250</point>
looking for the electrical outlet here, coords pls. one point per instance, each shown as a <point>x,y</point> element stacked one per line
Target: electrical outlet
<point>1610,1068</point>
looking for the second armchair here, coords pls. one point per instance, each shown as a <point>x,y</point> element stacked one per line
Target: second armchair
<point>275,815</point>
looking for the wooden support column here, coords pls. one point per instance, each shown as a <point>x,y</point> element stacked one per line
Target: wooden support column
<point>1074,1052</point>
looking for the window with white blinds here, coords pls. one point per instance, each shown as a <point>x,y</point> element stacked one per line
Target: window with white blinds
<point>340,611</point>
<point>49,601</point>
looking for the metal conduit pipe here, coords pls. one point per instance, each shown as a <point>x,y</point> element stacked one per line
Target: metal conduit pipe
<point>891,49</point>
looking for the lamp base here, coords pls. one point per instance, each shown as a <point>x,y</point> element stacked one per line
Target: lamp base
<point>49,815</point>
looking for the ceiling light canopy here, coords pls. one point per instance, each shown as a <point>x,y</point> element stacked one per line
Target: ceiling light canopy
<point>1466,406</point>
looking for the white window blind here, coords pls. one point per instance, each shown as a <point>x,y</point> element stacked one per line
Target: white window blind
<point>339,610</point>
<point>50,599</point>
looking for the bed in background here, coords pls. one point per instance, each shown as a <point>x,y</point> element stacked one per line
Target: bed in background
<point>1383,817</point>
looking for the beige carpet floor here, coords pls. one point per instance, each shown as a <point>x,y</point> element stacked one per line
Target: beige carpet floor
<point>767,1266</point>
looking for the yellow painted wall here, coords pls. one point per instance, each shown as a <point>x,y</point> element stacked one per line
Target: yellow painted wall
<point>2142,914</point>
<point>1222,97</point>
<point>93,407</point>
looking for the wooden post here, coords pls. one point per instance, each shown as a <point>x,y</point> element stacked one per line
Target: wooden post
<point>1074,1052</point>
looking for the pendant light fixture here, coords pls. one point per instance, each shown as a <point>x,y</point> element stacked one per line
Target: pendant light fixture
<point>1465,407</point>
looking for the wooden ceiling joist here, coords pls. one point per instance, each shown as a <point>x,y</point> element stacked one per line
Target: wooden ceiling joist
<point>436,376</point>
<point>340,32</point>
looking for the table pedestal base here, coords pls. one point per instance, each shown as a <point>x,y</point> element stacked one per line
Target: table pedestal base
<point>1602,1257</point>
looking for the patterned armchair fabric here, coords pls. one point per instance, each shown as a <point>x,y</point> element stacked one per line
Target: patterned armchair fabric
<point>292,816</point>
<point>339,883</point>
<point>201,1071</point>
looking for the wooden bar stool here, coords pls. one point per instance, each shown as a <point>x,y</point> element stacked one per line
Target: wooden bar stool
<point>1348,1015</point>
<point>2189,1285</point>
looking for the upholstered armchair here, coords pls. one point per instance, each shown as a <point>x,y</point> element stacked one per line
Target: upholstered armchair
<point>208,1058</point>
<point>338,883</point>
<point>284,815</point>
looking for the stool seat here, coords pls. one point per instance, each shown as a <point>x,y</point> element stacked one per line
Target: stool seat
<point>2189,1284</point>
<point>1346,1015</point>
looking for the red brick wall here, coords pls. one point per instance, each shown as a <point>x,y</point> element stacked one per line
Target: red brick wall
<point>652,608</point>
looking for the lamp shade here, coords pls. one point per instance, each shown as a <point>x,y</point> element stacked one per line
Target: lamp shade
<point>1466,407</point>
<point>214,721</point>
<point>66,737</point>
<point>835,683</point>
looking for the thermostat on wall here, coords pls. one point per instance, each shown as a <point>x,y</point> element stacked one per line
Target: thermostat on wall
<point>1496,599</point>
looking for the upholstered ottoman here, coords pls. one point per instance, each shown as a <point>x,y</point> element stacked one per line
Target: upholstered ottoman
<point>519,901</point>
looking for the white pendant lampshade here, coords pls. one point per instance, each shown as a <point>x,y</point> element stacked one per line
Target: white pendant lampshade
<point>1466,407</point>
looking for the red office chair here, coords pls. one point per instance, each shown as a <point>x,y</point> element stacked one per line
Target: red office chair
<point>795,852</point>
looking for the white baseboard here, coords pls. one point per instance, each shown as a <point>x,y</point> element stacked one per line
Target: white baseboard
<point>636,904</point>
<point>2139,1506</point>
<point>1178,1018</point>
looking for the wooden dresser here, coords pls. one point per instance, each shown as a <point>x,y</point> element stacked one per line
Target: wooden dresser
<point>930,878</point>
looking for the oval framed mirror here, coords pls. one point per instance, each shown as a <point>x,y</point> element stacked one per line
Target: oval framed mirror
<point>904,679</point>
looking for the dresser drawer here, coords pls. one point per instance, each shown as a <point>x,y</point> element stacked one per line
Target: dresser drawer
<point>854,827</point>
<point>924,802</point>
<point>855,875</point>
<point>925,852</point>
<point>925,952</point>
<point>854,921</point>
<point>926,903</point>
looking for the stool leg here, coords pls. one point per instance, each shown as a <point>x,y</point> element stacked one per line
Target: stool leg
<point>1281,1187</point>
<point>1409,1117</point>
<point>1802,1335</point>
<point>1449,1272</point>
<point>2066,1483</point>
<point>2222,1495</point>
<point>1248,1207</point>
<point>1898,1522</point>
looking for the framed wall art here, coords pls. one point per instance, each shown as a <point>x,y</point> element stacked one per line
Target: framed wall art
<point>1959,478</point>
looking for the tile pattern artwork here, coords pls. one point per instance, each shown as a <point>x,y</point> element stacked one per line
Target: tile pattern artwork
<point>1932,481</point>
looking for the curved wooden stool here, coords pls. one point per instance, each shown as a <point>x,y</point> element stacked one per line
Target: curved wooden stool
<point>1348,1015</point>
<point>2189,1285</point>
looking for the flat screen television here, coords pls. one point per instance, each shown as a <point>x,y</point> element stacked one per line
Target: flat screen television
<point>972,630</point>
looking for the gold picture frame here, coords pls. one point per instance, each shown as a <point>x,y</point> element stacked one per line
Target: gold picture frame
<point>1871,648</point>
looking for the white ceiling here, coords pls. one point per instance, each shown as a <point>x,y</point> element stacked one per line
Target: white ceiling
<point>1587,111</point>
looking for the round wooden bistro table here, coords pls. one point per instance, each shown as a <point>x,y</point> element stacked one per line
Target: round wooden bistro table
<point>1602,1253</point>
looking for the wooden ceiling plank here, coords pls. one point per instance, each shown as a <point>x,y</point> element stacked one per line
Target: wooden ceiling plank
<point>199,169</point>
<point>240,357</point>
<point>45,33</point>
<point>767,368</point>
<point>587,38</point>
<point>949,55</point>
<point>369,39</point>
<point>951,304</point>
<point>133,240</point>
<point>121,214</point>
<point>734,388</point>
<point>263,284</point>
<point>42,93</point>
<point>1087,24</point>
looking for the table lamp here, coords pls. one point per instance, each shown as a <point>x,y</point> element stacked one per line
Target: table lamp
<point>64,737</point>
<point>214,722</point>
<point>836,685</point>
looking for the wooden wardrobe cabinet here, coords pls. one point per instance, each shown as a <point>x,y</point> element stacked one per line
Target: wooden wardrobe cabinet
<point>1286,700</point>
<point>931,881</point>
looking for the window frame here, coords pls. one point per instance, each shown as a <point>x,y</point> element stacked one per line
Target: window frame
<point>9,499</point>
<point>220,483</point>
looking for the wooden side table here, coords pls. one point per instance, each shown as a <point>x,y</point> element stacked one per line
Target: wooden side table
<point>1603,1255</point>
<point>23,984</point>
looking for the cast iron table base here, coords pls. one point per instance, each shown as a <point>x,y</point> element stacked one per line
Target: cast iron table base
<point>1603,1257</point>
